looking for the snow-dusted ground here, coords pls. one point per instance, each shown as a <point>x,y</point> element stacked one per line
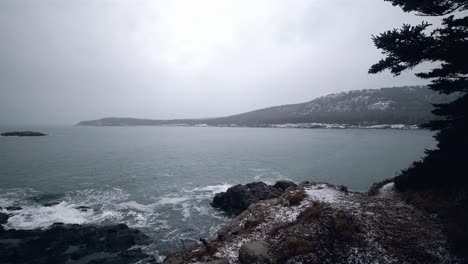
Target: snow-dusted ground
<point>391,230</point>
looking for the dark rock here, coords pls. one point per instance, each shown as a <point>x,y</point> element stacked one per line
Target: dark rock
<point>283,185</point>
<point>343,188</point>
<point>254,252</point>
<point>23,134</point>
<point>66,243</point>
<point>83,208</point>
<point>218,261</point>
<point>238,198</point>
<point>3,218</point>
<point>124,257</point>
<point>252,221</point>
<point>13,208</point>
<point>51,203</point>
<point>176,257</point>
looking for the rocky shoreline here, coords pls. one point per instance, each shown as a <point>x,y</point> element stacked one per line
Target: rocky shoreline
<point>323,223</point>
<point>280,223</point>
<point>238,198</point>
<point>73,244</point>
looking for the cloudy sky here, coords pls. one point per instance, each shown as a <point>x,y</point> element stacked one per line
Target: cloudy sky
<point>66,61</point>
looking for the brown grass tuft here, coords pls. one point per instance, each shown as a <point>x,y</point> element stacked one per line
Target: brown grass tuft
<point>346,228</point>
<point>295,247</point>
<point>313,211</point>
<point>296,197</point>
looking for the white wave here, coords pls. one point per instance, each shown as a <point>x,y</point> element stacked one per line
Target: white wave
<point>137,206</point>
<point>5,202</point>
<point>15,196</point>
<point>186,212</point>
<point>258,169</point>
<point>107,216</point>
<point>97,196</point>
<point>32,217</point>
<point>213,188</point>
<point>138,219</point>
<point>172,200</point>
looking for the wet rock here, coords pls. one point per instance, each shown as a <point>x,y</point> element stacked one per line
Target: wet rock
<point>13,208</point>
<point>125,257</point>
<point>218,261</point>
<point>238,198</point>
<point>254,252</point>
<point>3,218</point>
<point>177,257</point>
<point>283,185</point>
<point>83,208</point>
<point>51,203</point>
<point>66,243</point>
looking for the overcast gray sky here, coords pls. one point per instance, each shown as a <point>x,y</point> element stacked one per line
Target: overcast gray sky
<point>66,61</point>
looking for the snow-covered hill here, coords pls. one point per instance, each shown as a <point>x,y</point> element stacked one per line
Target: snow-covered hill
<point>397,105</point>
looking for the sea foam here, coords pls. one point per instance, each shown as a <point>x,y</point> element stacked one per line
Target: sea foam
<point>31,217</point>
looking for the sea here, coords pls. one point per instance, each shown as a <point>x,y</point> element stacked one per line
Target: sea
<point>161,180</point>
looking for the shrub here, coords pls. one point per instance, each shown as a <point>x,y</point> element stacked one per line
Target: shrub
<point>313,211</point>
<point>296,197</point>
<point>345,228</point>
<point>452,208</point>
<point>295,247</point>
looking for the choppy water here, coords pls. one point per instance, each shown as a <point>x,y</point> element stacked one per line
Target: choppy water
<point>161,179</point>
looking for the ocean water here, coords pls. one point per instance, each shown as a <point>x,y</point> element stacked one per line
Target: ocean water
<point>162,179</point>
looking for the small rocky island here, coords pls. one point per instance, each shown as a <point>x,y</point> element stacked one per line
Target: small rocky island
<point>23,134</point>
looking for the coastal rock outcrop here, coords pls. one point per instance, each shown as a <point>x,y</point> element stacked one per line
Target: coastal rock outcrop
<point>69,243</point>
<point>255,252</point>
<point>3,218</point>
<point>327,224</point>
<point>238,198</point>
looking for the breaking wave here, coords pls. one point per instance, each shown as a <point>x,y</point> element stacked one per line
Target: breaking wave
<point>169,218</point>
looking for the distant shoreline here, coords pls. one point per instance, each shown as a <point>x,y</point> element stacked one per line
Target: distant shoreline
<point>394,108</point>
<point>286,125</point>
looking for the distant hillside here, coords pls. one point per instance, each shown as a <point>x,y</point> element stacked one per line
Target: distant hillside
<point>397,105</point>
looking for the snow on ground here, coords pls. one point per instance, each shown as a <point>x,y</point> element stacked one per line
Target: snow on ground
<point>393,231</point>
<point>387,190</point>
<point>322,193</point>
<point>276,215</point>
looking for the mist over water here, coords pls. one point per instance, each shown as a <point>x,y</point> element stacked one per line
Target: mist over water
<point>162,179</point>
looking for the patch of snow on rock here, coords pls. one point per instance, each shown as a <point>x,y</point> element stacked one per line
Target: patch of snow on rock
<point>323,193</point>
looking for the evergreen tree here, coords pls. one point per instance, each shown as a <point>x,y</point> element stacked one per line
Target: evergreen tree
<point>445,46</point>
